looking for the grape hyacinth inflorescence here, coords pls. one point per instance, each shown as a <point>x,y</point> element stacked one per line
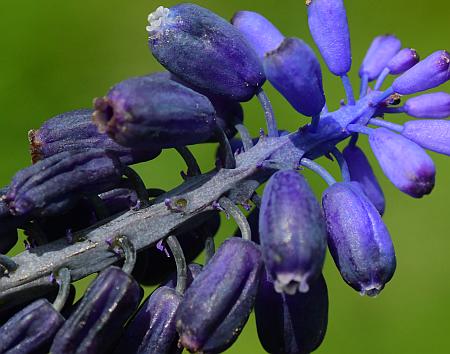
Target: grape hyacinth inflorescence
<point>83,209</point>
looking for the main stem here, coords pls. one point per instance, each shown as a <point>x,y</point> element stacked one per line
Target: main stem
<point>150,224</point>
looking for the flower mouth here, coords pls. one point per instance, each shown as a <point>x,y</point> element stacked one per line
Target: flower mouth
<point>289,283</point>
<point>108,116</point>
<point>35,146</point>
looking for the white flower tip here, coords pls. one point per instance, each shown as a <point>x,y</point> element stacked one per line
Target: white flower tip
<point>157,19</point>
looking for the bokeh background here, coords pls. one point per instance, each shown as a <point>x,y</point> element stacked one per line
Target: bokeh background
<point>59,55</point>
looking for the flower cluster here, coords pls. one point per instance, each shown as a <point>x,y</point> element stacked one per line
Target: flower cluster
<point>84,209</point>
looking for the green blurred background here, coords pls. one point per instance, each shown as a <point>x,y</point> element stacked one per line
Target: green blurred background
<point>58,55</point>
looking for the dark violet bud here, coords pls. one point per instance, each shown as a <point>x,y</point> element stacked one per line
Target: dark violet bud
<point>432,134</point>
<point>8,239</point>
<point>361,171</point>
<point>153,111</point>
<point>259,32</point>
<point>292,232</point>
<point>428,73</point>
<point>62,178</point>
<point>119,200</point>
<point>430,105</point>
<point>65,224</point>
<point>153,328</point>
<point>228,114</point>
<point>31,330</point>
<point>294,70</point>
<point>358,239</point>
<point>380,53</point>
<point>216,306</point>
<point>404,162</point>
<point>75,130</point>
<point>205,50</point>
<point>327,21</point>
<point>97,321</point>
<point>155,264</point>
<point>291,324</point>
<point>402,61</point>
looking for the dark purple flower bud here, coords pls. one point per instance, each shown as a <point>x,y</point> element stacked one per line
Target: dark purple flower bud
<point>327,21</point>
<point>31,330</point>
<point>292,232</point>
<point>8,239</point>
<point>404,162</point>
<point>403,60</point>
<point>432,134</point>
<point>361,171</point>
<point>119,200</point>
<point>216,306</point>
<point>358,239</point>
<point>65,224</point>
<point>75,130</point>
<point>153,111</point>
<point>154,264</point>
<point>428,73</point>
<point>66,176</point>
<point>430,105</point>
<point>205,50</point>
<point>291,323</point>
<point>228,114</point>
<point>153,328</point>
<point>97,322</point>
<point>381,51</point>
<point>259,32</point>
<point>294,70</point>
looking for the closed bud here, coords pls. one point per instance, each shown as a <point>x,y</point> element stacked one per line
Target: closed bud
<point>119,200</point>
<point>59,181</point>
<point>8,239</point>
<point>430,105</point>
<point>97,321</point>
<point>153,329</point>
<point>402,61</point>
<point>404,162</point>
<point>259,32</point>
<point>428,73</point>
<point>31,330</point>
<point>361,171</point>
<point>381,51</point>
<point>228,112</point>
<point>294,71</point>
<point>327,21</point>
<point>216,306</point>
<point>358,239</point>
<point>205,50</point>
<point>150,112</point>
<point>75,130</point>
<point>292,232</point>
<point>291,324</point>
<point>432,134</point>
